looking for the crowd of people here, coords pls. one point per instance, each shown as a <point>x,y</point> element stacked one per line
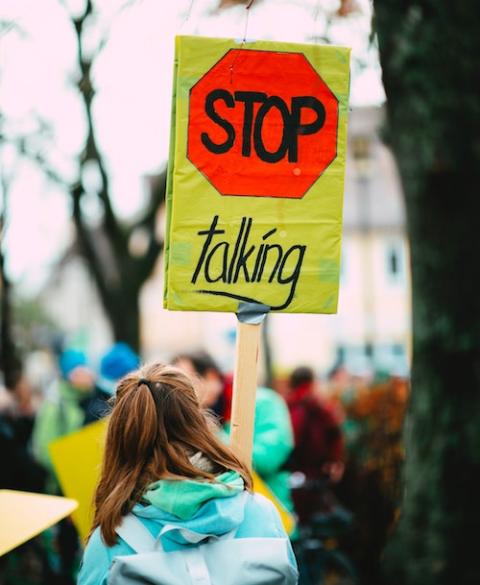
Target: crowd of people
<point>301,445</point>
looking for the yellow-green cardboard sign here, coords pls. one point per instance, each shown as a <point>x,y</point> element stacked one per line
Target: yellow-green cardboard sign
<point>256,175</point>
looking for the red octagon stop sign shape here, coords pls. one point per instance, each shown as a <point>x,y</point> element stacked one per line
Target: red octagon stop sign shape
<point>262,124</point>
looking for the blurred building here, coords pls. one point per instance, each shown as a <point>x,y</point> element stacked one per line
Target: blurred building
<point>71,300</point>
<point>372,328</point>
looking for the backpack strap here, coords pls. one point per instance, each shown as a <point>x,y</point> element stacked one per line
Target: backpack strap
<point>135,534</point>
<point>193,537</point>
<point>197,567</point>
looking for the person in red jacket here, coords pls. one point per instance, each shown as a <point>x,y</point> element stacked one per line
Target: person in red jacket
<point>319,445</point>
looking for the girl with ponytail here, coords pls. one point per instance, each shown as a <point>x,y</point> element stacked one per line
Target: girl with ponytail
<point>165,470</point>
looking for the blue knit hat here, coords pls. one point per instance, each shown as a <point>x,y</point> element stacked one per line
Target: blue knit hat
<point>71,359</point>
<point>118,361</point>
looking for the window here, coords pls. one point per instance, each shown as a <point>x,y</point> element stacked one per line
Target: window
<point>398,350</point>
<point>395,263</point>
<point>361,148</point>
<point>393,260</point>
<point>391,358</point>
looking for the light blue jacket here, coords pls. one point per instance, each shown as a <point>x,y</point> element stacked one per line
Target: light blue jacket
<point>251,516</point>
<point>272,443</point>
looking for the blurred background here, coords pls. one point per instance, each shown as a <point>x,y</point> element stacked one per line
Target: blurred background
<point>85,97</point>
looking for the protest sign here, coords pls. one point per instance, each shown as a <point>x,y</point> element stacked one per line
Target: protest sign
<point>76,459</point>
<point>25,514</point>
<point>256,175</point>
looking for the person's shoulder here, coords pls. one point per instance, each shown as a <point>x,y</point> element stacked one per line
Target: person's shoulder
<point>265,392</point>
<point>270,405</point>
<point>261,515</point>
<point>96,561</point>
<point>269,396</point>
<point>324,409</point>
<point>95,544</point>
<point>261,502</point>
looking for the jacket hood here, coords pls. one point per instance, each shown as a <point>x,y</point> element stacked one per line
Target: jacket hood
<point>190,510</point>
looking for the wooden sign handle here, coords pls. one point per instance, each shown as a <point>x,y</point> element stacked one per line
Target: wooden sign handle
<point>244,390</point>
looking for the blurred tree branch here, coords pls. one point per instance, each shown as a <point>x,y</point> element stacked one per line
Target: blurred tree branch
<point>118,273</point>
<point>117,267</point>
<point>10,364</point>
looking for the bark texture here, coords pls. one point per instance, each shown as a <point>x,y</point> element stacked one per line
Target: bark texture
<point>429,55</point>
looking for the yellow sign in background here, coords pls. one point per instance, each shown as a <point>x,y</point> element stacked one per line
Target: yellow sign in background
<point>77,458</point>
<point>294,242</point>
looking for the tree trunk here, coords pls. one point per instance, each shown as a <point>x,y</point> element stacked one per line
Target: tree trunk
<point>440,511</point>
<point>430,68</point>
<point>9,361</point>
<point>118,274</point>
<point>124,315</point>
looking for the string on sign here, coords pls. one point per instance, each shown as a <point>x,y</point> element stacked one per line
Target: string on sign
<point>187,15</point>
<point>244,39</point>
<point>247,8</point>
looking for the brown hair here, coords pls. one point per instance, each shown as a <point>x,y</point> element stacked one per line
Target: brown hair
<point>155,425</point>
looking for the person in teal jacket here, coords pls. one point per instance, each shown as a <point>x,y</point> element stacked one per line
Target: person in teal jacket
<point>165,465</point>
<point>272,436</point>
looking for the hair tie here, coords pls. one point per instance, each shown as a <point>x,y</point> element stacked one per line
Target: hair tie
<point>151,386</point>
<point>146,382</point>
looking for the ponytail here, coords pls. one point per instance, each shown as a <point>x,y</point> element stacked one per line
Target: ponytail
<point>131,435</point>
<point>156,424</point>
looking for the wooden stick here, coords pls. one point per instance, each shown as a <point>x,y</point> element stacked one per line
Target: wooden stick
<point>244,390</point>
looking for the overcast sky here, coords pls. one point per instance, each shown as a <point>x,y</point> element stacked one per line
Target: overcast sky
<point>132,108</point>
